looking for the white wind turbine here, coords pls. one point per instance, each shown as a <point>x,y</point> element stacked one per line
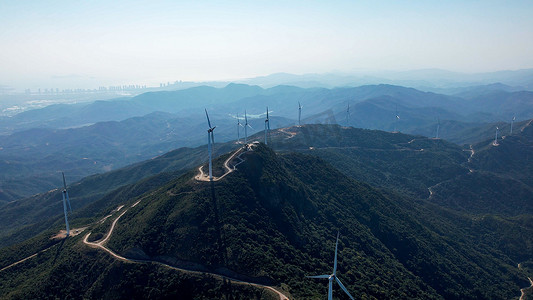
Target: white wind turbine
<point>267,127</point>
<point>496,138</point>
<point>512,121</point>
<point>397,119</point>
<point>246,125</point>
<point>65,201</point>
<point>210,138</point>
<point>348,114</point>
<point>438,127</point>
<point>299,114</point>
<point>333,276</point>
<point>239,124</point>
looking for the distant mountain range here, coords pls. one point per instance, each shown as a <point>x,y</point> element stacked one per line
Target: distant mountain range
<point>40,143</point>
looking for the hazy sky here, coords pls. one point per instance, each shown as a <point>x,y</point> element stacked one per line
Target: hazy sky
<point>51,44</point>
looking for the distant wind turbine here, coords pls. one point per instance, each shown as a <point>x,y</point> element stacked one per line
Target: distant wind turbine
<point>333,276</point>
<point>397,119</point>
<point>65,200</point>
<point>512,121</point>
<point>438,127</point>
<point>246,125</point>
<point>496,138</point>
<point>66,193</point>
<point>299,114</point>
<point>210,138</point>
<point>348,114</point>
<point>239,124</point>
<point>267,127</point>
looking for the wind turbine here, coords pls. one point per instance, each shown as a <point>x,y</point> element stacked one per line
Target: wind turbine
<point>66,193</point>
<point>333,276</point>
<point>496,138</point>
<point>438,126</point>
<point>239,124</point>
<point>246,125</point>
<point>397,119</point>
<point>267,127</point>
<point>210,138</point>
<point>512,121</point>
<point>299,113</point>
<point>65,199</point>
<point>348,114</point>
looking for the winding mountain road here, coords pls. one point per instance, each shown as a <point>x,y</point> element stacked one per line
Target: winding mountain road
<point>101,245</point>
<point>237,154</point>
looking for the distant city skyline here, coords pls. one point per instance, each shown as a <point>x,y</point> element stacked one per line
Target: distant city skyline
<point>88,44</point>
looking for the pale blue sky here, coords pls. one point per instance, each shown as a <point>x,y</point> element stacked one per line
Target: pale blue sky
<point>90,43</point>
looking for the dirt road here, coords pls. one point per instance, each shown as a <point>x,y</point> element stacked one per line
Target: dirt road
<point>101,245</point>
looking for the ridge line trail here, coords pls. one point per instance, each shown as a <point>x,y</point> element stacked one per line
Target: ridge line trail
<point>523,291</point>
<point>26,258</point>
<point>101,244</point>
<point>201,175</point>
<point>470,170</point>
<point>528,124</point>
<point>59,237</point>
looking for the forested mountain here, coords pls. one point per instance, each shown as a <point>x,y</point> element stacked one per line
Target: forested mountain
<point>273,221</point>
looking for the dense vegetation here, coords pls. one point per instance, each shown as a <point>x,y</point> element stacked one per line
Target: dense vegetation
<point>101,188</point>
<point>71,270</point>
<point>274,221</point>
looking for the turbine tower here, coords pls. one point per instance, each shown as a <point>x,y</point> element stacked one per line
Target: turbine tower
<point>239,124</point>
<point>512,121</point>
<point>438,126</point>
<point>333,276</point>
<point>299,113</point>
<point>210,138</point>
<point>65,199</point>
<point>348,114</point>
<point>397,119</point>
<point>246,125</point>
<point>496,138</point>
<point>66,193</point>
<point>267,127</point>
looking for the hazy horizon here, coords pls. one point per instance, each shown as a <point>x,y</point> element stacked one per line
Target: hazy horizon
<point>67,44</point>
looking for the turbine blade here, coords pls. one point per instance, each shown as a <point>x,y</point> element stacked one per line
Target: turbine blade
<point>343,287</point>
<point>318,276</point>
<point>267,112</point>
<point>335,263</point>
<point>208,122</point>
<point>213,137</point>
<point>330,290</point>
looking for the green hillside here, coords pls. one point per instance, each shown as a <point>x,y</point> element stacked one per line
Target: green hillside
<point>36,211</point>
<point>274,220</point>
